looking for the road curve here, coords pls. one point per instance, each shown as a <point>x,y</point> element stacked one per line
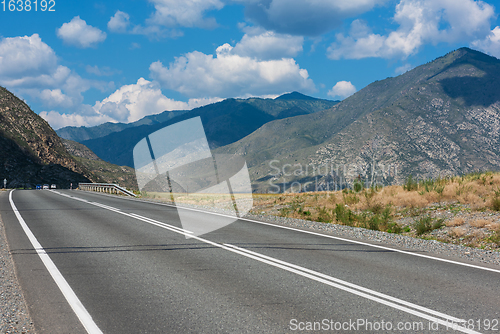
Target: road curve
<point>126,266</point>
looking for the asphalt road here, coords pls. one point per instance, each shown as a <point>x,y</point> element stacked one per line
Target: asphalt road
<point>126,266</point>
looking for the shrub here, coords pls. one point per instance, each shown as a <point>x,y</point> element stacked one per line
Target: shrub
<point>395,228</point>
<point>457,221</point>
<point>495,238</point>
<point>343,215</point>
<point>495,201</point>
<point>324,216</point>
<point>423,225</point>
<point>438,224</point>
<point>410,184</point>
<point>357,186</point>
<point>480,223</point>
<point>374,223</point>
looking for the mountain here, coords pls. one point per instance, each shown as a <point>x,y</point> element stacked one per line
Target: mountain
<point>30,150</point>
<point>441,118</point>
<point>82,133</point>
<point>295,96</point>
<point>225,122</point>
<point>101,170</point>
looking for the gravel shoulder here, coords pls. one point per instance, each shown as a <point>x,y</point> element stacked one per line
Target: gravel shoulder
<point>14,312</point>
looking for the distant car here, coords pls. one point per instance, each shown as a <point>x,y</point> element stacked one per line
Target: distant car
<point>46,186</point>
<point>53,186</point>
<point>38,186</point>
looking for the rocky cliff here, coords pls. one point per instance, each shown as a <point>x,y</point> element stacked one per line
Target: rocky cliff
<point>30,151</point>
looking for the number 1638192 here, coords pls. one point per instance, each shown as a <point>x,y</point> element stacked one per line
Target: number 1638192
<point>28,5</point>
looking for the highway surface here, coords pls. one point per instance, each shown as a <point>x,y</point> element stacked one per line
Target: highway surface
<point>93,263</point>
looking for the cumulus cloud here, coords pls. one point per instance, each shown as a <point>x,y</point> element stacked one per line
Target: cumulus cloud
<point>133,102</point>
<point>490,44</point>
<point>342,89</point>
<point>78,33</point>
<point>420,22</point>
<point>263,44</point>
<point>127,104</point>
<point>310,18</point>
<point>228,75</point>
<point>119,22</point>
<point>58,120</point>
<point>22,56</point>
<point>187,13</point>
<point>29,67</point>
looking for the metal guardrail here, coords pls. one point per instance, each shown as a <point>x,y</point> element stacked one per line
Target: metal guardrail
<point>110,188</point>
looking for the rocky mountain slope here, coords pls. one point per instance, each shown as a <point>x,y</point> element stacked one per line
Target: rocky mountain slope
<point>225,122</point>
<point>441,118</point>
<point>30,150</point>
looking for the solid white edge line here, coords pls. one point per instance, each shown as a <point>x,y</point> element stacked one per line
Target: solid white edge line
<point>325,236</point>
<point>68,293</point>
<point>352,285</point>
<point>289,267</point>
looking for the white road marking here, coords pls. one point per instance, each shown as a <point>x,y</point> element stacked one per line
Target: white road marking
<point>444,319</point>
<point>66,290</point>
<point>325,236</point>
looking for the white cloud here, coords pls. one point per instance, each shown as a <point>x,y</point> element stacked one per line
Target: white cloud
<point>420,22</point>
<point>119,22</point>
<point>133,102</point>
<point>310,18</point>
<point>186,13</point>
<point>229,75</point>
<point>29,67</point>
<point>100,71</point>
<point>127,104</point>
<point>490,44</point>
<point>22,56</point>
<point>403,69</point>
<point>77,32</point>
<point>58,120</point>
<point>263,44</point>
<point>55,98</point>
<point>342,89</point>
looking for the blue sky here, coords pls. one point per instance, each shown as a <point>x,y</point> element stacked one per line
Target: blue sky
<point>89,62</point>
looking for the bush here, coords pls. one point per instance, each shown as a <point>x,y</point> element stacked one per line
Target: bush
<point>438,224</point>
<point>343,215</point>
<point>357,186</point>
<point>410,184</point>
<point>495,201</point>
<point>394,228</point>
<point>374,223</point>
<point>423,225</point>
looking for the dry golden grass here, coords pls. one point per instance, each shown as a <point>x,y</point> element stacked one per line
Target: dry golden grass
<point>457,221</point>
<point>493,226</point>
<point>480,223</point>
<point>458,232</point>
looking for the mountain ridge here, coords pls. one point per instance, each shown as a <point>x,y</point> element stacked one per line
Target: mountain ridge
<point>82,133</point>
<point>224,122</point>
<point>440,118</point>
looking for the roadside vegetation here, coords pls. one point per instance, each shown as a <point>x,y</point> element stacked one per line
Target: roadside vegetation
<point>463,209</point>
